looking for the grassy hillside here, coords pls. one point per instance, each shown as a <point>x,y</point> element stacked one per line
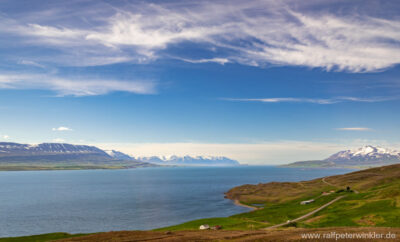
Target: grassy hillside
<point>373,200</point>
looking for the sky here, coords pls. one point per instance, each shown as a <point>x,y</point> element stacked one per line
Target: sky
<point>263,82</point>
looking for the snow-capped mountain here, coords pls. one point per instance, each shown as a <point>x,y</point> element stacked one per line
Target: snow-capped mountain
<point>190,160</point>
<point>367,154</point>
<point>119,155</point>
<point>58,152</point>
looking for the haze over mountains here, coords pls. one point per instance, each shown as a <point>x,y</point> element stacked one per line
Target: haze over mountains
<point>366,156</point>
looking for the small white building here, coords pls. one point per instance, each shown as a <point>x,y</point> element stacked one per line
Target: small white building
<point>306,202</point>
<point>204,227</point>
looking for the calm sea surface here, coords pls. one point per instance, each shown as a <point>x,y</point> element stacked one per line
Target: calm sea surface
<point>34,202</point>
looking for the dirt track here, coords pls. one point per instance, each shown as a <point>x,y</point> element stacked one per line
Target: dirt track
<point>290,234</point>
<point>308,214</point>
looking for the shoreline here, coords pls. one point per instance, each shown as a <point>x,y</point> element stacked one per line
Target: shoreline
<point>238,203</point>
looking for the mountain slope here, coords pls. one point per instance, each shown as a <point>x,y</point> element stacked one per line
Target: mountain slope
<point>367,156</point>
<point>119,155</point>
<point>13,149</point>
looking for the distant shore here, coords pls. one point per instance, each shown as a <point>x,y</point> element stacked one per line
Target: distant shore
<point>70,167</point>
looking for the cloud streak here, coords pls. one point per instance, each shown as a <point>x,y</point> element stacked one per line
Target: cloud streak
<point>354,129</point>
<point>75,87</point>
<point>221,61</point>
<point>312,100</point>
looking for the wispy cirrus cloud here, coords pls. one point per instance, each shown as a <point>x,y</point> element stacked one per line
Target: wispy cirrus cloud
<point>252,33</point>
<point>75,87</point>
<point>355,129</point>
<point>312,100</point>
<point>62,128</point>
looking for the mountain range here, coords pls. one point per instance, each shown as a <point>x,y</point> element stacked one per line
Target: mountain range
<point>55,156</point>
<point>366,156</point>
<point>190,161</point>
<point>67,155</point>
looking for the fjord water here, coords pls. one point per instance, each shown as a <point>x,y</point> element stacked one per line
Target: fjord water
<point>83,201</point>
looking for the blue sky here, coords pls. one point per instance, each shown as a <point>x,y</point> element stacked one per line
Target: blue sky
<point>263,82</point>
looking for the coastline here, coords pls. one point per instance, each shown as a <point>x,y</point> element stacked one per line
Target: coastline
<point>238,203</point>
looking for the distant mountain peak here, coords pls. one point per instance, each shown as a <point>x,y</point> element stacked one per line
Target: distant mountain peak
<point>369,149</point>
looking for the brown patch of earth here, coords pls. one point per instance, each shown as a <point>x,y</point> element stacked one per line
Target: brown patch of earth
<point>370,220</point>
<point>314,219</point>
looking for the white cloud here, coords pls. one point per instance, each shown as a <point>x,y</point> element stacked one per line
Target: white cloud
<point>75,87</point>
<point>61,128</point>
<point>252,32</point>
<point>6,137</point>
<point>312,100</point>
<point>58,140</point>
<point>354,129</point>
